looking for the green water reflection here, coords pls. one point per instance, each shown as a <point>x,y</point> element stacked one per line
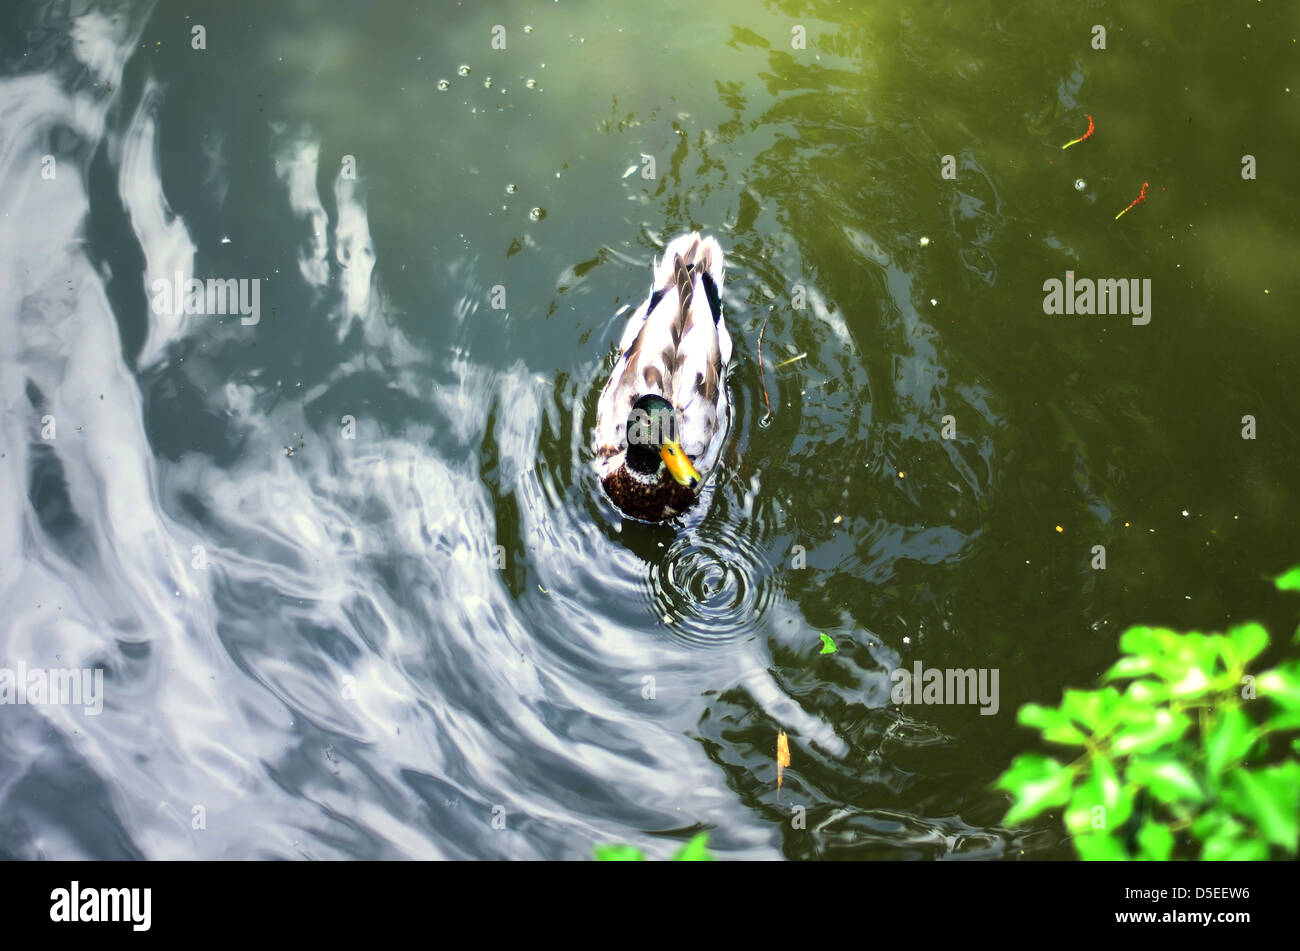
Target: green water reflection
<point>819,169</point>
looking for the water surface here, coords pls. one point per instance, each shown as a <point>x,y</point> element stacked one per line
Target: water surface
<point>353,588</point>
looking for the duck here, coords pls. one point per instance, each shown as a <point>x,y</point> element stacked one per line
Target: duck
<point>665,413</point>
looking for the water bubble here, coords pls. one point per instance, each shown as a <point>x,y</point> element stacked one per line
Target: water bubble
<point>487,83</point>
<point>511,188</point>
<point>528,29</point>
<point>464,70</point>
<point>1080,184</point>
<point>444,85</point>
<point>531,84</point>
<point>537,214</point>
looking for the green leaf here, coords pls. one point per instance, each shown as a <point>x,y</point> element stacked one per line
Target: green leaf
<point>1145,729</point>
<point>1146,640</point>
<point>1282,721</point>
<point>1155,842</point>
<point>1192,665</point>
<point>1084,807</point>
<point>1091,708</point>
<point>1281,685</point>
<point>1101,789</point>
<point>1217,821</point>
<point>695,850</point>
<point>1055,725</point>
<point>1270,797</point>
<point>1127,668</point>
<point>1100,847</point>
<point>1038,783</point>
<point>1168,779</point>
<point>619,853</point>
<point>1249,640</point>
<point>1224,837</point>
<point>1228,849</point>
<point>828,645</point>
<point>1228,741</point>
<point>1159,647</point>
<point>1289,581</point>
<point>1194,682</point>
<point>1147,692</point>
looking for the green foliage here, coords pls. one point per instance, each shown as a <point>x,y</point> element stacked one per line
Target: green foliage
<point>696,850</point>
<point>1181,754</point>
<point>619,853</point>
<point>1290,581</point>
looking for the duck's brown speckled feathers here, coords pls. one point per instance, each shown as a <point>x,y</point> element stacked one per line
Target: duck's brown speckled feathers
<point>648,501</point>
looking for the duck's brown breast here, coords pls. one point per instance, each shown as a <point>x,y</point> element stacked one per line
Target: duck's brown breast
<point>650,502</point>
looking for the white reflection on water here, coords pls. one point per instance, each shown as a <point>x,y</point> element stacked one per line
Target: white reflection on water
<point>319,663</point>
<point>311,652</point>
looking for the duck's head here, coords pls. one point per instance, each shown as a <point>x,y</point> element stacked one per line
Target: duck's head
<point>652,442</point>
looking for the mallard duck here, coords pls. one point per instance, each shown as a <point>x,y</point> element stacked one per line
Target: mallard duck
<point>664,414</point>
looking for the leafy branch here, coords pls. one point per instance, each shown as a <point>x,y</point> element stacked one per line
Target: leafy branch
<point>1178,753</point>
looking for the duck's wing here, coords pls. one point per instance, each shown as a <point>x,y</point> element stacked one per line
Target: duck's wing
<point>647,349</point>
<point>699,381</point>
<point>675,346</point>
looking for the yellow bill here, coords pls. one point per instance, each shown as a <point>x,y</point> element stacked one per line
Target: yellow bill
<point>679,466</point>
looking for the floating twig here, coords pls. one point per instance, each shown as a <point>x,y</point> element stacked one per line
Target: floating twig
<point>761,377</point>
<point>786,363</point>
<point>1086,135</point>
<point>782,759</point>
<point>1136,201</point>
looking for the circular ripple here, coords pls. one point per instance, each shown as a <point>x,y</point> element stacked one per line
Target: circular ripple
<point>712,586</point>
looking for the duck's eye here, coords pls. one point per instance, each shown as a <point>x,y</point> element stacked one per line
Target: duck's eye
<point>672,452</point>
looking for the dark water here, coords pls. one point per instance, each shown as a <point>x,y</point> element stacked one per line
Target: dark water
<point>426,617</point>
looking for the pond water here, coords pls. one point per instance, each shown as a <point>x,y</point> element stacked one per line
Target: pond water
<point>340,556</point>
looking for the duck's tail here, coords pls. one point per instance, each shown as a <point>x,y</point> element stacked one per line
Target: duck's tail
<point>704,252</point>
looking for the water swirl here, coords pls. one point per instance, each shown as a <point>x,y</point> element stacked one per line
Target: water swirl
<point>713,585</point>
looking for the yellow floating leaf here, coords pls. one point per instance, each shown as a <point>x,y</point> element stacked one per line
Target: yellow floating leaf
<point>782,756</point>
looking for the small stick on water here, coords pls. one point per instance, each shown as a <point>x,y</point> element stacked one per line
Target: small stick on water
<point>786,363</point>
<point>1083,138</point>
<point>761,377</point>
<point>1142,196</point>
